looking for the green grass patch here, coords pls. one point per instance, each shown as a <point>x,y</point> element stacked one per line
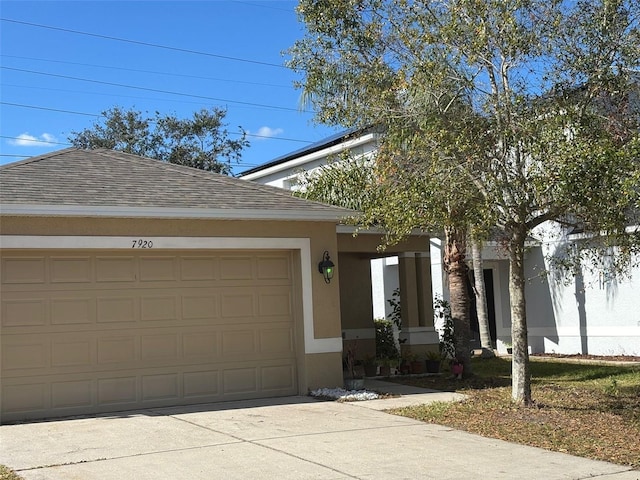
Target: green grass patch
<point>590,410</point>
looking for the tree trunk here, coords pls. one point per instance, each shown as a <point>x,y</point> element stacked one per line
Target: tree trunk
<point>521,376</point>
<point>456,268</point>
<point>481,298</point>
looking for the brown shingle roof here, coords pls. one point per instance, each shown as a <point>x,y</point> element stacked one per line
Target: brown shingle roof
<point>102,180</point>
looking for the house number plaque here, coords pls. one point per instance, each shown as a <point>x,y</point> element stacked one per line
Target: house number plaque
<point>141,243</point>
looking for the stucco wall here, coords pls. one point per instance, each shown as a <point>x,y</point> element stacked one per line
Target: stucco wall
<point>325,297</point>
<point>589,313</point>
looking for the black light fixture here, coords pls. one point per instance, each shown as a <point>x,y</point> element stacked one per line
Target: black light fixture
<point>325,267</point>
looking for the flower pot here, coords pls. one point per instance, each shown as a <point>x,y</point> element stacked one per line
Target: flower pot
<point>405,369</point>
<point>456,370</point>
<point>385,371</point>
<point>417,366</point>
<point>354,384</point>
<point>433,366</point>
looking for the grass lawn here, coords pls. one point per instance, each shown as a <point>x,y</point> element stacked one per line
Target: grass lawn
<point>588,410</point>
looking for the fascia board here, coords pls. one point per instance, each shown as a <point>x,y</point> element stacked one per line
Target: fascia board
<point>153,212</point>
<point>350,229</point>
<point>296,162</point>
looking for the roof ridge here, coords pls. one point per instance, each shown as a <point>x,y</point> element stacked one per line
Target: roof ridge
<point>203,174</point>
<point>37,158</point>
<point>109,182</point>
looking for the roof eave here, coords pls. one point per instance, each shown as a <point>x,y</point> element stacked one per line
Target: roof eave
<point>169,213</point>
<point>303,158</point>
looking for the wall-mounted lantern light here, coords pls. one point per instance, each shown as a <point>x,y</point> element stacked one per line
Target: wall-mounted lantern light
<point>326,267</point>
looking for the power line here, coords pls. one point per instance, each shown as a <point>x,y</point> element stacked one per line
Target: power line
<point>50,109</point>
<point>264,6</point>
<point>237,163</point>
<point>120,96</point>
<point>254,135</point>
<point>111,67</point>
<point>146,44</point>
<point>35,140</point>
<point>168,92</point>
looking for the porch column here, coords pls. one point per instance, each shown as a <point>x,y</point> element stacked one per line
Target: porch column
<point>424,288</point>
<point>416,302</point>
<point>356,306</point>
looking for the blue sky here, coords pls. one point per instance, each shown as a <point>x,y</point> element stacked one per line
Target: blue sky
<point>56,79</point>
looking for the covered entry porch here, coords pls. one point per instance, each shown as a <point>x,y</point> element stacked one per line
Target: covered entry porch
<point>355,252</point>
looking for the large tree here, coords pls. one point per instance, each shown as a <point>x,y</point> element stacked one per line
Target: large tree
<point>533,103</point>
<point>200,142</point>
<point>401,200</point>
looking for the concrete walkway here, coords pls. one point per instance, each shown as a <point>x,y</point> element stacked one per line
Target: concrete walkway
<point>288,438</point>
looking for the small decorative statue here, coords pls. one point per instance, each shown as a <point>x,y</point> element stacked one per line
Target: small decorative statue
<point>456,368</point>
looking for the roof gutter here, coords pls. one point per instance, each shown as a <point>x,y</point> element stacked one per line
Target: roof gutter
<point>25,210</point>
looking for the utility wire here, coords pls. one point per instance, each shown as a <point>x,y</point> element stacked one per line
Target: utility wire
<point>111,95</point>
<point>35,140</point>
<point>110,67</point>
<point>146,44</point>
<point>255,135</point>
<point>50,109</point>
<point>168,92</point>
<point>261,5</point>
<point>237,163</point>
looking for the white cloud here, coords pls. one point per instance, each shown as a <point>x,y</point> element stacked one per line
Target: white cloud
<point>267,132</point>
<point>26,140</point>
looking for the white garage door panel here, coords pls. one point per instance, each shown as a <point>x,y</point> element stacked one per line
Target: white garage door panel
<point>103,332</point>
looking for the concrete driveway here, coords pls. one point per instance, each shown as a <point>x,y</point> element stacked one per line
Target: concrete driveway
<point>288,438</point>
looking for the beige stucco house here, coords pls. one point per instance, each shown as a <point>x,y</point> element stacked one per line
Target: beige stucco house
<point>131,283</point>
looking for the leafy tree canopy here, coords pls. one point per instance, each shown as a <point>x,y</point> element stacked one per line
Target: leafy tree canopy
<point>200,142</point>
<point>505,113</point>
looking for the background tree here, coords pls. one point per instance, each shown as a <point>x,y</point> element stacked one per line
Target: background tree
<point>533,103</point>
<point>396,200</point>
<point>480,293</point>
<point>200,142</point>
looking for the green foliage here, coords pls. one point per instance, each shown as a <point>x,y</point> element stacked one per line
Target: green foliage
<point>396,309</point>
<point>200,142</point>
<point>345,181</point>
<point>612,388</point>
<point>442,314</point>
<point>385,341</point>
<point>492,113</point>
<point>433,356</point>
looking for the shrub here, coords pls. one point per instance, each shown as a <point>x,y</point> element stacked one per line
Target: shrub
<point>385,342</point>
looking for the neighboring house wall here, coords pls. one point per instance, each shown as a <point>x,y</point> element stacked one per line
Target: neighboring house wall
<point>285,174</point>
<point>566,314</point>
<point>590,315</point>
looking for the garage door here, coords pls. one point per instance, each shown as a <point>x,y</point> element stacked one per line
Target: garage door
<point>100,331</point>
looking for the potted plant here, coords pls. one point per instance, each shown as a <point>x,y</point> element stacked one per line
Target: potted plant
<point>370,366</point>
<point>385,366</point>
<point>433,362</point>
<point>405,364</point>
<point>417,365</point>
